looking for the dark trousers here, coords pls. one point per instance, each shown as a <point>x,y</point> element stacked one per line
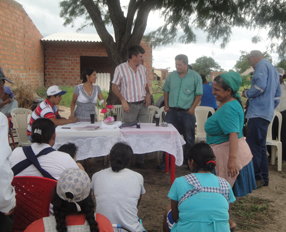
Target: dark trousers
<point>185,124</point>
<point>256,139</point>
<point>6,222</point>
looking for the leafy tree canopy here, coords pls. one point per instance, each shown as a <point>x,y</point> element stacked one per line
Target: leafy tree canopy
<point>204,65</point>
<point>242,64</point>
<point>281,64</point>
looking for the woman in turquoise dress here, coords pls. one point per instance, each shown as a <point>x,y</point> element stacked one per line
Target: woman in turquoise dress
<point>224,135</point>
<point>86,95</point>
<point>199,201</point>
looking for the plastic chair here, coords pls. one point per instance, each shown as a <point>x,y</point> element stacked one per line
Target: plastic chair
<point>20,117</point>
<point>152,111</point>
<point>33,197</point>
<point>276,145</point>
<point>10,131</point>
<point>201,114</point>
<point>118,110</point>
<point>119,227</point>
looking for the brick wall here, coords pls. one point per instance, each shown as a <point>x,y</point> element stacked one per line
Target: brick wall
<point>64,61</point>
<point>21,53</point>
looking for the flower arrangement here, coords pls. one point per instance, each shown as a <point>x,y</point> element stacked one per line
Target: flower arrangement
<point>108,113</point>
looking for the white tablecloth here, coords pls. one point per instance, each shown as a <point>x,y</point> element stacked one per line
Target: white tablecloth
<point>96,143</point>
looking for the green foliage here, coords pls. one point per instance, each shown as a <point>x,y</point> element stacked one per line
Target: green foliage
<point>41,92</point>
<point>281,64</point>
<point>242,64</point>
<point>67,98</point>
<point>157,87</point>
<point>204,65</point>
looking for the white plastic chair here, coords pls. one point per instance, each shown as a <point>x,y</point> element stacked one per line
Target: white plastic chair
<point>276,145</point>
<point>152,111</point>
<point>119,227</point>
<point>201,114</point>
<point>20,118</point>
<point>118,110</point>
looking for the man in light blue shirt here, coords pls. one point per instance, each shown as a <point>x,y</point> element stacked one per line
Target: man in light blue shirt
<point>264,96</point>
<point>182,93</point>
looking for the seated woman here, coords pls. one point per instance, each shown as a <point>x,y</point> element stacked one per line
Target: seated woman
<point>118,190</point>
<point>73,207</point>
<point>85,95</point>
<point>199,201</point>
<point>51,162</point>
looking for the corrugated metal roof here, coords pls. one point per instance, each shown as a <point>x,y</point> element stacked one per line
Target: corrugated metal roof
<point>73,37</point>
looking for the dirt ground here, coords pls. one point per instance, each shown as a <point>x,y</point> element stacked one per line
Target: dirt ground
<point>263,210</point>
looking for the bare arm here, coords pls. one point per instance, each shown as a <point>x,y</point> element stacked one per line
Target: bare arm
<point>148,96</point>
<point>6,101</point>
<point>166,101</point>
<point>175,211</point>
<point>74,98</point>
<point>125,105</point>
<point>63,121</point>
<point>195,103</point>
<point>233,147</point>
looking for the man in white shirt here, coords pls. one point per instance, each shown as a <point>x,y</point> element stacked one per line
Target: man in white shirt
<point>7,193</point>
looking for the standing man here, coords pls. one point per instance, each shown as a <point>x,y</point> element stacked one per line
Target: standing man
<point>182,93</point>
<point>48,109</point>
<point>264,96</point>
<point>7,192</point>
<point>130,85</point>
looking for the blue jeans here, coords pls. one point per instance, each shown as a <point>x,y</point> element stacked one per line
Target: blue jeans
<point>256,139</point>
<point>185,124</point>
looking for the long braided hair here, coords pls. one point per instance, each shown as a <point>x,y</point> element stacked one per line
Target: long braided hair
<point>64,208</point>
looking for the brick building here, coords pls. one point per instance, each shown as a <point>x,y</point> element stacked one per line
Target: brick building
<point>57,59</point>
<point>67,54</point>
<point>21,52</point>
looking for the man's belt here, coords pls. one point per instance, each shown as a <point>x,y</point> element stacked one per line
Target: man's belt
<point>177,108</point>
<point>136,103</point>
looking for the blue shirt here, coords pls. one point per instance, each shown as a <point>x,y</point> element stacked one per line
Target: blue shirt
<point>208,99</point>
<point>198,212</point>
<point>265,92</point>
<point>227,119</point>
<point>182,91</point>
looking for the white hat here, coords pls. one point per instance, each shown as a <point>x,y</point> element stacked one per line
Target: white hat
<point>54,89</point>
<point>75,181</point>
<point>281,71</point>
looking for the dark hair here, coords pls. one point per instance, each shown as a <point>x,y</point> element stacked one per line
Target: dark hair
<point>218,79</point>
<point>201,153</point>
<point>69,148</point>
<point>87,71</point>
<point>64,208</point>
<point>47,128</point>
<point>135,50</point>
<point>190,67</point>
<point>183,58</point>
<point>204,79</point>
<point>120,156</point>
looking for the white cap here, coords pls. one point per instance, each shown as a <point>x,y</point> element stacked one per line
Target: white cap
<point>281,71</point>
<point>54,89</point>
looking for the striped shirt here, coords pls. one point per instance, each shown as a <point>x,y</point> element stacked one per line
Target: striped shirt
<point>132,85</point>
<point>44,110</point>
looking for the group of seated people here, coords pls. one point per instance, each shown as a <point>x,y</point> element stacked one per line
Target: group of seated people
<point>117,191</point>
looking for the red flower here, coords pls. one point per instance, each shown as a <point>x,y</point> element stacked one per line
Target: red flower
<point>103,111</point>
<point>110,107</point>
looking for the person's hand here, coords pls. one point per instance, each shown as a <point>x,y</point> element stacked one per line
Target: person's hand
<point>73,119</point>
<point>166,108</point>
<point>191,111</point>
<point>232,168</point>
<point>147,100</point>
<point>125,106</point>
<point>10,212</point>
